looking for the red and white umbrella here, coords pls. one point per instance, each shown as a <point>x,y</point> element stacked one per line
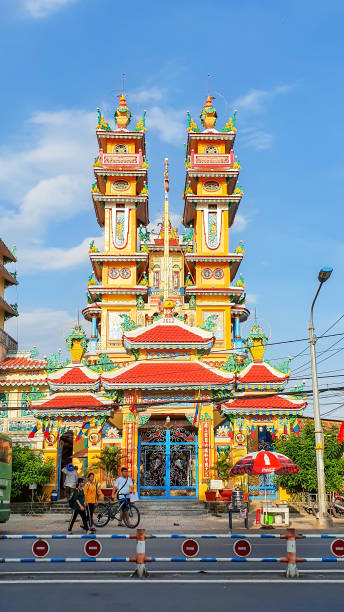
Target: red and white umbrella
<point>264,462</point>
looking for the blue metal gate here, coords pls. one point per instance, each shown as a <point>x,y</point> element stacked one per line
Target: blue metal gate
<point>259,486</point>
<point>168,463</point>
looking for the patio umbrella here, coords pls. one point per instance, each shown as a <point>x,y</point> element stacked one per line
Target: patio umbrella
<point>264,462</point>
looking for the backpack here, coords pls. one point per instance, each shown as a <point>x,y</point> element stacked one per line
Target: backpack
<point>72,500</point>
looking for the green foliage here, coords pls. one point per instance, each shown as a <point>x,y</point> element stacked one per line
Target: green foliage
<point>223,464</point>
<point>301,449</point>
<point>109,460</point>
<point>28,467</point>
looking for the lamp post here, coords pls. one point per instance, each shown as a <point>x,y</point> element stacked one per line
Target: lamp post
<point>323,276</point>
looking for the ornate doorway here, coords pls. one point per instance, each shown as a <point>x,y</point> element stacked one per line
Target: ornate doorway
<point>168,462</point>
<point>257,484</point>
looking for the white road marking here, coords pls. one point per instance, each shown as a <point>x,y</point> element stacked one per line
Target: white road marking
<point>182,581</point>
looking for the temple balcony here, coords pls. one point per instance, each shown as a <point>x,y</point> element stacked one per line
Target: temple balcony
<point>233,259</point>
<point>10,310</point>
<point>121,161</point>
<point>212,161</point>
<point>7,344</point>
<point>9,278</point>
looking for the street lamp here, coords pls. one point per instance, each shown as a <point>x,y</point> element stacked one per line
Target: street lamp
<point>323,276</point>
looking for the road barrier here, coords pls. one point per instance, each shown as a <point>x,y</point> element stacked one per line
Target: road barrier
<point>190,547</point>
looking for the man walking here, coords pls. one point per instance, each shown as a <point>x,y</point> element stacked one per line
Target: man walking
<point>71,479</point>
<point>77,503</point>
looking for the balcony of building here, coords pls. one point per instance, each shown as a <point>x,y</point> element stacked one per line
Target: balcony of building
<point>121,161</point>
<point>212,161</point>
<point>7,344</point>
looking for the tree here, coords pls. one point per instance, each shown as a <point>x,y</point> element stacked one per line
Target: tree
<point>223,464</point>
<point>301,449</point>
<point>28,466</point>
<point>109,460</point>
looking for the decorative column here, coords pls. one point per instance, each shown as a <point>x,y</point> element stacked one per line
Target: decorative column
<point>130,443</point>
<point>206,449</point>
<point>94,336</point>
<point>237,340</point>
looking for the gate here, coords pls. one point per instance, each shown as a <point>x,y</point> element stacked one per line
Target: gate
<point>168,463</point>
<point>257,485</point>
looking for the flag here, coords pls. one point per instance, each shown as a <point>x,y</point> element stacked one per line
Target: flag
<point>85,427</point>
<point>34,430</point>
<point>194,422</point>
<point>230,432</point>
<point>341,433</point>
<point>79,435</point>
<point>252,431</point>
<point>285,430</point>
<point>296,427</point>
<point>273,435</point>
<point>46,433</point>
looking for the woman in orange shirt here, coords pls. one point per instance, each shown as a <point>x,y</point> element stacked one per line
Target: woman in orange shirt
<point>91,496</point>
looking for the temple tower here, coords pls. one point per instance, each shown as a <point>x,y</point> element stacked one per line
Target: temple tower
<point>212,196</point>
<point>120,197</point>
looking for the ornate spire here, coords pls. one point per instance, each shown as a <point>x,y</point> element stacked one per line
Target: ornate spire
<point>77,343</point>
<point>122,114</point>
<point>256,342</point>
<point>208,114</point>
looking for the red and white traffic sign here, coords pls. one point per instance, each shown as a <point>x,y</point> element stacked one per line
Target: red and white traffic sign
<point>93,548</point>
<point>337,548</point>
<point>242,548</point>
<point>190,548</point>
<point>40,548</point>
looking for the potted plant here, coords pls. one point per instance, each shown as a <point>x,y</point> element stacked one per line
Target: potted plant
<point>223,466</point>
<point>210,494</point>
<point>109,461</point>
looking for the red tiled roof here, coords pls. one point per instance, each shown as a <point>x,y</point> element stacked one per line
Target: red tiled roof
<point>175,372</point>
<point>22,363</point>
<point>10,382</point>
<point>273,402</point>
<point>73,401</point>
<point>168,333</point>
<point>260,373</point>
<point>73,375</point>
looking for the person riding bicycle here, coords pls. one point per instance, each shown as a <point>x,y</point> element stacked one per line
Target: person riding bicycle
<point>123,487</point>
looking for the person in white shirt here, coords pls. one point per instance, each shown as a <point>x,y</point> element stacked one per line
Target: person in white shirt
<point>71,479</point>
<point>122,487</point>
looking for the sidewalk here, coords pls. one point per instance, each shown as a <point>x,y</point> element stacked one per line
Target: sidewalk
<point>57,523</point>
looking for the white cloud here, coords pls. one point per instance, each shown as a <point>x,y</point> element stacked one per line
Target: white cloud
<point>256,99</point>
<point>168,122</point>
<point>251,299</point>
<point>55,177</point>
<point>239,224</point>
<point>256,139</point>
<point>44,328</point>
<point>56,258</point>
<point>151,94</point>
<point>44,8</point>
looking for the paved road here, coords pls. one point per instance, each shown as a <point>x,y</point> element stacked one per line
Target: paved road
<point>149,597</point>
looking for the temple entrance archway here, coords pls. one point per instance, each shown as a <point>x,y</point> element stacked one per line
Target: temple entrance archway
<point>167,461</point>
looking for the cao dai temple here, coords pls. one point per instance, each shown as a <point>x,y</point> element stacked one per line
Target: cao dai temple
<point>166,374</point>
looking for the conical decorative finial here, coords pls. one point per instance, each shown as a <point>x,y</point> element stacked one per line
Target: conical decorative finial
<point>77,343</point>
<point>122,114</point>
<point>256,341</point>
<point>208,114</point>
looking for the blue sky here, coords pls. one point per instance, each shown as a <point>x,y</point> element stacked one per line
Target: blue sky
<point>280,64</point>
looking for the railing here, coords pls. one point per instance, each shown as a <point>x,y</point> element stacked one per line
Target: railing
<point>212,160</point>
<point>190,549</point>
<point>120,160</point>
<point>9,342</point>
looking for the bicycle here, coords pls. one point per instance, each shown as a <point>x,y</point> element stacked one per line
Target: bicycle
<point>110,510</point>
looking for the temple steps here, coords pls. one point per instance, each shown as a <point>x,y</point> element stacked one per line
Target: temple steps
<point>164,507</point>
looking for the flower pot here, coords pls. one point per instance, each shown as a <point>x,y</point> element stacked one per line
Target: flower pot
<point>226,494</point>
<point>122,120</point>
<point>209,121</point>
<point>210,496</point>
<point>106,491</point>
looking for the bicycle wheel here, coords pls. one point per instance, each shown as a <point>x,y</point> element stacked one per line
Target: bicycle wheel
<point>101,515</point>
<point>131,516</point>
<point>115,511</point>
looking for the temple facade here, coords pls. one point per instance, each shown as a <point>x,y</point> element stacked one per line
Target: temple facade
<point>166,374</point>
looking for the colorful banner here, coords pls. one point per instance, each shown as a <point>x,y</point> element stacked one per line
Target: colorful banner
<point>206,449</point>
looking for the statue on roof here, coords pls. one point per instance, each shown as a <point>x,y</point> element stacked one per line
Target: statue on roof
<point>230,125</point>
<point>208,114</point>
<point>122,113</point>
<point>102,124</point>
<point>141,124</point>
<point>192,126</point>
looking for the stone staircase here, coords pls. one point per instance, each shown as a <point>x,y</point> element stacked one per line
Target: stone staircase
<point>149,507</point>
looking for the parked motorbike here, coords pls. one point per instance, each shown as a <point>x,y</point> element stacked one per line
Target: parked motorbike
<point>337,506</point>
